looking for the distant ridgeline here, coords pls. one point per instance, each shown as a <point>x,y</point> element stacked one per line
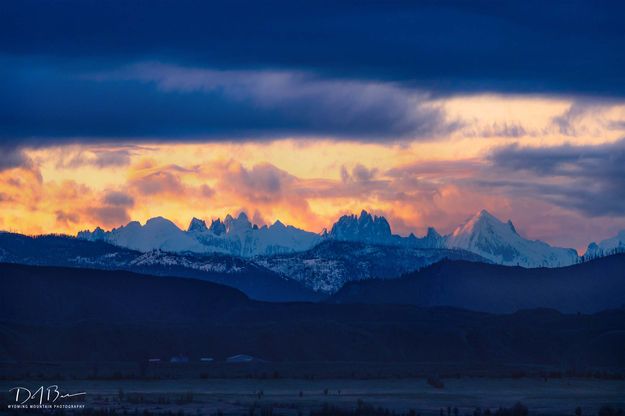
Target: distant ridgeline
<point>283,263</point>
<point>482,234</point>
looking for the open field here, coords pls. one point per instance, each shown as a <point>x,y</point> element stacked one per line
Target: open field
<point>299,396</point>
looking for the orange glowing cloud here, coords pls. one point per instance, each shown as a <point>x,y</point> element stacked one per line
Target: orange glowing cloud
<point>310,182</point>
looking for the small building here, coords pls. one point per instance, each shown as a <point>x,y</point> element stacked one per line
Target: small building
<point>240,358</point>
<point>179,359</point>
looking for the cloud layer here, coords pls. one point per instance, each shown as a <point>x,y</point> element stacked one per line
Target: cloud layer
<point>450,46</point>
<point>586,178</point>
<point>152,101</point>
<point>565,194</point>
<point>78,71</point>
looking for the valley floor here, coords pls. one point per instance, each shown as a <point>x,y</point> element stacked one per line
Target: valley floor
<point>300,397</point>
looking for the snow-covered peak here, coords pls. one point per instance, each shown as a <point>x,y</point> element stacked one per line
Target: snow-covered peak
<point>432,239</point>
<point>486,235</point>
<point>365,228</point>
<point>277,225</point>
<point>157,233</point>
<point>237,225</point>
<point>197,225</point>
<point>160,222</point>
<point>217,227</point>
<point>96,235</point>
<point>483,221</point>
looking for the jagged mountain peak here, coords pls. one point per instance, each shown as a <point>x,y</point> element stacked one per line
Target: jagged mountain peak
<point>364,217</point>
<point>277,225</point>
<point>217,227</point>
<point>197,225</point>
<point>432,233</point>
<point>485,214</point>
<point>482,222</point>
<point>364,228</point>
<point>242,216</point>
<point>237,225</point>
<point>486,235</point>
<point>485,217</point>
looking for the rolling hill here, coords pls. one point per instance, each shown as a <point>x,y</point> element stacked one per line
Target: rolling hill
<point>71,314</point>
<point>587,287</point>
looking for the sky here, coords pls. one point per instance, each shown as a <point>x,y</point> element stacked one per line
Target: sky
<point>425,113</point>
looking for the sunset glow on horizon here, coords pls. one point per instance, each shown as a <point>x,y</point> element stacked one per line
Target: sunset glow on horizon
<point>309,183</point>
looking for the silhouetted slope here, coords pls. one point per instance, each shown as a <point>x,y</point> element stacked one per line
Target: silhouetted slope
<point>66,314</point>
<point>58,295</point>
<point>587,287</point>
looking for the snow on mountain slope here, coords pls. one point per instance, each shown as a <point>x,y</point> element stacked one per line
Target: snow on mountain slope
<point>327,266</point>
<point>607,246</point>
<point>499,242</point>
<point>240,237</point>
<point>157,234</point>
<point>234,236</point>
<point>243,274</point>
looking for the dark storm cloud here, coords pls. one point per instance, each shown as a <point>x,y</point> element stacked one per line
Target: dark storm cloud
<point>359,173</point>
<point>109,215</point>
<point>160,182</point>
<point>119,199</point>
<point>569,46</point>
<point>262,183</point>
<point>441,47</point>
<point>13,157</point>
<point>66,217</point>
<point>52,102</point>
<point>590,179</point>
<point>499,130</point>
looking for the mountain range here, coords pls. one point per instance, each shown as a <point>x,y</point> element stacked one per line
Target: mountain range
<point>283,263</point>
<point>234,236</point>
<point>482,234</point>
